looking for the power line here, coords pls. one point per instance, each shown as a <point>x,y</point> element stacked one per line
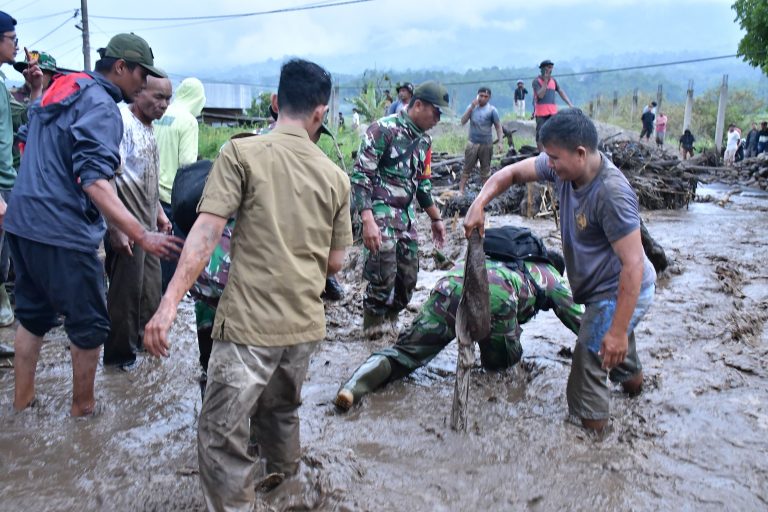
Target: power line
<point>599,71</point>
<point>241,15</point>
<point>57,27</point>
<point>495,80</point>
<point>24,21</point>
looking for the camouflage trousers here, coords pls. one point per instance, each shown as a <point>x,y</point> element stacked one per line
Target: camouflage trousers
<point>391,275</point>
<point>434,328</point>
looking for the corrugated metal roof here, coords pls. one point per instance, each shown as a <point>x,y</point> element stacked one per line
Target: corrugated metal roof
<point>218,95</point>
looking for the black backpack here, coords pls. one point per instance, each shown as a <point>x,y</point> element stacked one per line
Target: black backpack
<point>514,245</point>
<point>186,193</point>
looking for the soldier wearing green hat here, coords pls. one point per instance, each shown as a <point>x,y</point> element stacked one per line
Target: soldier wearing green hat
<point>393,169</point>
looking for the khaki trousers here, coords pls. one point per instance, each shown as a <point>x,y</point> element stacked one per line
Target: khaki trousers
<point>475,152</point>
<point>260,384</point>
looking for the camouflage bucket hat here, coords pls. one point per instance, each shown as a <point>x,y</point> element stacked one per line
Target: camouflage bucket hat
<point>44,60</point>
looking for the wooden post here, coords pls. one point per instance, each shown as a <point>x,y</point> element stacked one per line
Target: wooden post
<point>659,97</point>
<point>529,202</point>
<point>333,110</point>
<point>615,103</point>
<point>688,106</point>
<point>597,106</point>
<point>634,104</point>
<point>591,109</point>
<point>721,114</point>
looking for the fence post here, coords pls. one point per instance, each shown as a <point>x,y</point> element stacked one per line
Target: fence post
<point>615,103</point>
<point>634,103</point>
<point>592,109</point>
<point>721,114</point>
<point>597,106</point>
<point>688,106</point>
<point>333,116</point>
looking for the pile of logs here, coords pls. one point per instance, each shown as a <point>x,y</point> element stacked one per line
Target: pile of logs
<point>660,180</point>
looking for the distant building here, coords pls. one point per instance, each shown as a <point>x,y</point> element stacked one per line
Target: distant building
<point>226,105</point>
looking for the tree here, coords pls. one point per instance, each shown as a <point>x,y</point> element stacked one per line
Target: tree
<point>260,105</point>
<point>752,16</point>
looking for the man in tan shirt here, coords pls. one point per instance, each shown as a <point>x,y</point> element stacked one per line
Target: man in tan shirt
<point>293,225</point>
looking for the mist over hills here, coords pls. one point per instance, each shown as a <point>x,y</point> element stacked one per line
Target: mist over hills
<point>463,83</point>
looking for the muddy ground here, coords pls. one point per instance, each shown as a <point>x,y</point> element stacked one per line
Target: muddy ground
<point>696,439</point>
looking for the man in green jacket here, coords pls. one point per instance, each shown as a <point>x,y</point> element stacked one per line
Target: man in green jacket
<point>177,134</point>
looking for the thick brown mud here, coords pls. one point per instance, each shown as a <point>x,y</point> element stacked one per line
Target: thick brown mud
<point>695,439</point>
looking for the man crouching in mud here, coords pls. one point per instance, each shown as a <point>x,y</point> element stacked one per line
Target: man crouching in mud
<point>607,268</point>
<point>518,291</point>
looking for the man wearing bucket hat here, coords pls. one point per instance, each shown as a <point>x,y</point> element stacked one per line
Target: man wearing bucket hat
<point>544,89</point>
<point>404,95</point>
<point>393,168</point>
<point>47,65</point>
<point>54,221</point>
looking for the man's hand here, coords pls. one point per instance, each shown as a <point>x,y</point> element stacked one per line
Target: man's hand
<point>165,246</point>
<point>614,349</point>
<point>33,75</point>
<point>438,233</point>
<point>500,146</point>
<point>475,102</point>
<point>371,235</point>
<point>120,242</point>
<point>156,330</point>
<point>163,224</point>
<point>475,219</point>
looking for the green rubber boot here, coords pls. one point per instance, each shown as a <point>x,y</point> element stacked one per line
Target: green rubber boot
<point>374,372</point>
<point>6,311</point>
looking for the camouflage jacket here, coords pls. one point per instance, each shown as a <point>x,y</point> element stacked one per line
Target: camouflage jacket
<point>393,167</point>
<point>513,295</point>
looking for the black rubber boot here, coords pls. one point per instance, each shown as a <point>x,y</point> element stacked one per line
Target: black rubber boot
<point>333,290</point>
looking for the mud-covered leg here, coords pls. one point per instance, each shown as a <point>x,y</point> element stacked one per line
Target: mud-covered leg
<point>430,332</point>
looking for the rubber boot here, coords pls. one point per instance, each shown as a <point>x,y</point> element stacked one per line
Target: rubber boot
<point>6,311</point>
<point>333,290</point>
<point>374,372</point>
<point>374,326</point>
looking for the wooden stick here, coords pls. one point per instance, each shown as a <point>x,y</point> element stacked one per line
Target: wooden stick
<point>473,322</point>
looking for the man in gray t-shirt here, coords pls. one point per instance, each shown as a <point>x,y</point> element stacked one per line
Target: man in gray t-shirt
<point>607,268</point>
<point>482,118</point>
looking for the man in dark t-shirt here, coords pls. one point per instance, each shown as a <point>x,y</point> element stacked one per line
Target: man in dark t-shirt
<point>607,268</point>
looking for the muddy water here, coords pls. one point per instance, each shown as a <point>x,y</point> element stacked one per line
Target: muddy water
<point>696,439</point>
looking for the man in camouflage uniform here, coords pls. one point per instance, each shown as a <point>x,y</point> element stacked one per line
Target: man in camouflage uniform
<point>516,295</point>
<point>392,169</point>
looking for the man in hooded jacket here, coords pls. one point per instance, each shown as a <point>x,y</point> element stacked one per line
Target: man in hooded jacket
<point>177,133</point>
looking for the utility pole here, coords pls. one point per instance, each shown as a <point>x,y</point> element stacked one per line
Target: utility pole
<point>86,35</point>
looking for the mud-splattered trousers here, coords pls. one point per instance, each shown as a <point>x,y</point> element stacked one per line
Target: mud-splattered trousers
<point>392,169</point>
<point>516,297</point>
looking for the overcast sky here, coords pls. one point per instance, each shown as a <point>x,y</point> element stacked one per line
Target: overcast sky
<point>384,34</point>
